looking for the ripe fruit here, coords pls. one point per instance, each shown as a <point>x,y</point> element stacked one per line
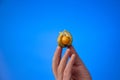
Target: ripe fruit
<point>64,39</point>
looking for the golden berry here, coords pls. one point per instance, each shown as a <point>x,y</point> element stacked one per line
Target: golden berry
<point>64,39</point>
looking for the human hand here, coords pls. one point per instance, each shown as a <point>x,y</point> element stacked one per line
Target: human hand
<point>74,69</point>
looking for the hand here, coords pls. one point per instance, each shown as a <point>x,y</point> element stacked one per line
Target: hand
<point>73,69</point>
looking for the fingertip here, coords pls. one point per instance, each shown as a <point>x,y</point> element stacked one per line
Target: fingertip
<point>58,51</point>
<point>73,55</point>
<point>58,47</point>
<point>68,50</point>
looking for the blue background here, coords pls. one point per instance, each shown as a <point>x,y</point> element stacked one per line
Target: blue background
<point>29,29</point>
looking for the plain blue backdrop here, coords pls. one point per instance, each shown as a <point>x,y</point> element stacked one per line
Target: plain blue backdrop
<point>29,30</point>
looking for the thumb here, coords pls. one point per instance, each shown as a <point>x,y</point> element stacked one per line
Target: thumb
<point>80,65</point>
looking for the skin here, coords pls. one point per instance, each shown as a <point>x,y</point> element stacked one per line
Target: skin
<point>72,69</point>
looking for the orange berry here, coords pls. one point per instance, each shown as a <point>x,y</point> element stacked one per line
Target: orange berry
<point>65,40</point>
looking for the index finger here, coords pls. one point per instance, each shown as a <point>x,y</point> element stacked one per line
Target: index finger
<point>56,59</point>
